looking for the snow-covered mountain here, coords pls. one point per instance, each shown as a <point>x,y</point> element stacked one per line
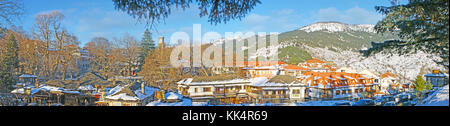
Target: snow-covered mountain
<point>338,27</point>
<point>340,44</point>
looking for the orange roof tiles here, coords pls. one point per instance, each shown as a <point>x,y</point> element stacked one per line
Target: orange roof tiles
<point>314,61</point>
<point>333,79</point>
<point>387,74</point>
<point>294,67</point>
<point>262,63</point>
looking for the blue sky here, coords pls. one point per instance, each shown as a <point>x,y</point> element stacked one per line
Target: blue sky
<point>91,18</point>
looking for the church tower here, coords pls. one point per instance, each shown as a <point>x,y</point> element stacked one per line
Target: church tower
<point>161,43</point>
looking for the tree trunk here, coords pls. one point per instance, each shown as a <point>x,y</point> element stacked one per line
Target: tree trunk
<point>64,73</point>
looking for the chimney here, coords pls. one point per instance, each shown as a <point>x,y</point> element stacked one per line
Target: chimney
<point>36,83</point>
<point>143,88</point>
<point>102,92</point>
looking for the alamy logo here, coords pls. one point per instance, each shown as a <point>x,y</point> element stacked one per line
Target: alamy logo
<point>236,47</point>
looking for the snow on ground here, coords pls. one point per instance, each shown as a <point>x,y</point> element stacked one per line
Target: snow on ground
<point>87,88</point>
<point>122,96</point>
<point>115,90</point>
<point>438,98</point>
<point>149,91</point>
<point>316,103</point>
<point>338,27</point>
<point>173,96</point>
<point>183,102</point>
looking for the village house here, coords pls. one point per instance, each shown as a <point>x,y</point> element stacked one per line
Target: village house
<point>374,75</point>
<point>136,94</point>
<point>293,70</point>
<point>317,65</point>
<point>279,89</point>
<point>216,90</point>
<point>46,95</point>
<point>266,69</point>
<point>437,78</point>
<point>337,85</point>
<point>389,81</point>
<point>346,70</point>
<point>26,80</point>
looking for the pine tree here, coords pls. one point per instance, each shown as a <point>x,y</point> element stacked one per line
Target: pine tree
<point>147,46</point>
<point>421,24</point>
<point>147,43</point>
<point>9,65</point>
<point>420,84</point>
<point>429,86</point>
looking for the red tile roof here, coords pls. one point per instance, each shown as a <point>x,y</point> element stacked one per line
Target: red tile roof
<point>262,63</point>
<point>294,67</point>
<point>387,74</point>
<point>314,61</point>
<point>332,79</point>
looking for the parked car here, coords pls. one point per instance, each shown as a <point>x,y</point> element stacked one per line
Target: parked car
<point>377,96</point>
<point>383,100</point>
<point>409,103</point>
<point>365,102</point>
<point>343,103</point>
<point>390,103</point>
<point>405,97</point>
<point>401,98</point>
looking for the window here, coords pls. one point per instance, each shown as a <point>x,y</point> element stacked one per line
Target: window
<point>338,92</point>
<point>195,90</point>
<point>296,91</point>
<point>207,89</point>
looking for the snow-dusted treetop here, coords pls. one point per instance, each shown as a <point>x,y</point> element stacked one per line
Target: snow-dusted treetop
<point>338,27</point>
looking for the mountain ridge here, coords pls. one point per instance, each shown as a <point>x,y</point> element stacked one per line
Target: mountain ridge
<point>334,26</point>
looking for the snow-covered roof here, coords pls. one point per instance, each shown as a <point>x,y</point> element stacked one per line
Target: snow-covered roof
<point>148,92</point>
<point>71,92</point>
<point>122,96</point>
<point>234,81</point>
<point>270,84</point>
<point>173,96</point>
<point>351,78</point>
<point>389,78</point>
<point>51,88</point>
<point>258,81</point>
<point>438,98</point>
<point>261,68</point>
<point>183,102</point>
<point>366,76</point>
<point>86,88</point>
<point>18,91</point>
<point>435,75</point>
<point>331,78</point>
<point>115,90</point>
<point>27,76</point>
<point>130,78</point>
<point>275,88</point>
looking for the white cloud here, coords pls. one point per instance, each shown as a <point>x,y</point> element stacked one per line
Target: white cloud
<point>255,19</point>
<point>355,15</point>
<point>280,20</point>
